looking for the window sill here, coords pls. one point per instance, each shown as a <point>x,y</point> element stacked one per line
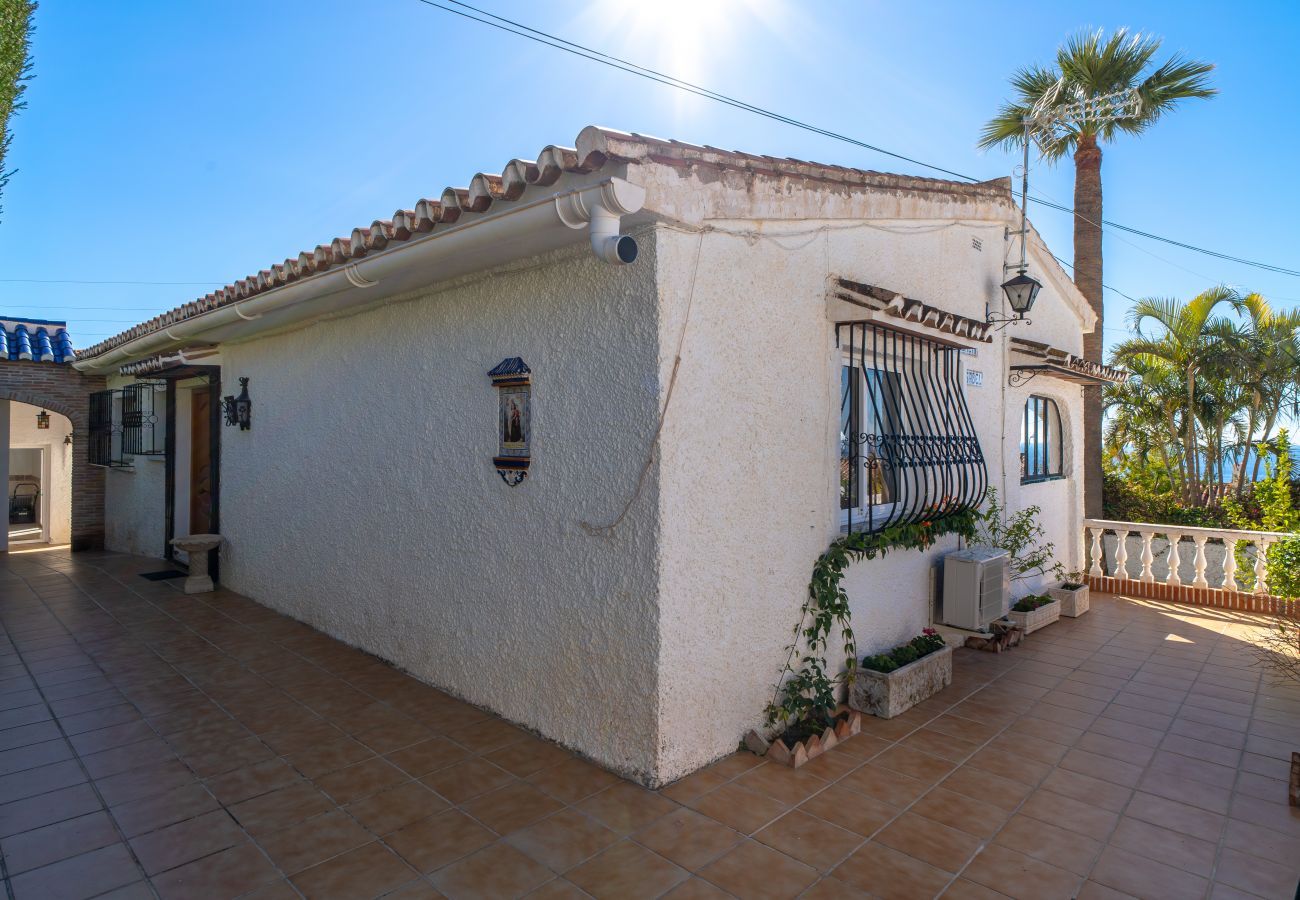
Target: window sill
<point>1041,478</point>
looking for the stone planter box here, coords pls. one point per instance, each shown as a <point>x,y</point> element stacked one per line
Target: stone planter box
<point>888,694</point>
<point>848,722</point>
<point>1031,621</point>
<point>1074,601</point>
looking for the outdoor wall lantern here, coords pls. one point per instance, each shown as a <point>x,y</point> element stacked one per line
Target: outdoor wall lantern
<point>239,410</point>
<point>42,419</point>
<point>511,378</point>
<point>67,439</point>
<point>1021,292</point>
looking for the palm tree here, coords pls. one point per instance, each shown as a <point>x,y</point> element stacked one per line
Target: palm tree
<point>1196,343</point>
<point>1143,417</point>
<point>1090,65</point>
<point>1269,371</point>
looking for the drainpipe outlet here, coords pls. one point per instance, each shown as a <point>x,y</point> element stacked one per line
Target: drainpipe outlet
<point>600,210</point>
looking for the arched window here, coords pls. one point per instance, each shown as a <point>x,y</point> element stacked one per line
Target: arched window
<point>1040,441</point>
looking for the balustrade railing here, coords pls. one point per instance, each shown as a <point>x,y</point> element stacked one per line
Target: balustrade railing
<point>1213,564</point>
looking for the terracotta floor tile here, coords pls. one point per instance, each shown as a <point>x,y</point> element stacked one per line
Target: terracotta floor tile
<point>307,843</point>
<point>850,810</point>
<point>397,807</point>
<point>696,889</point>
<point>176,805</point>
<point>967,814</point>
<point>744,810</point>
<point>886,873</point>
<point>1021,746</point>
<point>393,736</point>
<point>432,843</point>
<point>370,870</point>
<point>563,840</point>
<point>1263,877</point>
<point>1090,790</point>
<point>752,870</point>
<point>790,786</point>
<point>1008,765</point>
<point>523,758</point>
<point>515,806</point>
<point>929,841</point>
<point>467,780</point>
<point>81,876</point>
<point>41,754</point>
<point>486,736</point>
<point>321,760</point>
<point>360,780</point>
<point>1172,787</point>
<point>185,841</point>
<point>280,808</point>
<point>1133,873</point>
<point>498,870</point>
<point>885,785</point>
<point>1174,848</point>
<point>52,843</point>
<point>1260,841</point>
<point>1070,814</point>
<point>910,761</point>
<point>938,743</point>
<point>252,781</point>
<point>128,757</point>
<point>557,889</point>
<point>575,779</point>
<point>147,781</point>
<point>427,756</point>
<point>626,807</point>
<point>986,787</point>
<point>966,729</point>
<point>1020,876</point>
<point>48,808</point>
<point>687,838</point>
<point>41,780</point>
<point>1064,849</point>
<point>688,788</point>
<point>833,889</point>
<point>298,736</point>
<point>809,839</point>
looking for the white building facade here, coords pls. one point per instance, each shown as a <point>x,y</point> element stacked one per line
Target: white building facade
<point>633,595</point>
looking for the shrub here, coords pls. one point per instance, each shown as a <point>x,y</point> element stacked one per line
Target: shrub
<point>927,642</point>
<point>1031,602</point>
<point>1284,568</point>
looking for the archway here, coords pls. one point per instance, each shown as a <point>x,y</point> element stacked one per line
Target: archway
<point>39,489</point>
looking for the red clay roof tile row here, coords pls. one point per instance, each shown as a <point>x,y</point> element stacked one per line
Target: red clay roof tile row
<point>596,148</point>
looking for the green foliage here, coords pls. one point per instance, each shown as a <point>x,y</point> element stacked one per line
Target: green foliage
<point>1273,509</point>
<point>929,641</point>
<point>1031,602</point>
<point>15,68</point>
<point>1136,500</point>
<point>809,693</point>
<point>1284,568</point>
<point>1021,535</point>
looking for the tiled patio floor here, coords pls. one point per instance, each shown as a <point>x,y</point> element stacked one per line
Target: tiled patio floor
<point>154,744</point>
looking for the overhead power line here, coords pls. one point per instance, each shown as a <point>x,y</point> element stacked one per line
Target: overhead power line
<point>511,26</point>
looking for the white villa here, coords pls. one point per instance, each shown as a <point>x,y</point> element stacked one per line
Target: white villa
<point>567,442</point>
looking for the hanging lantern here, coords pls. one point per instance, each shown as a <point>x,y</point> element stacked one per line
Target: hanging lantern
<point>43,419</point>
<point>239,410</point>
<point>1021,292</point>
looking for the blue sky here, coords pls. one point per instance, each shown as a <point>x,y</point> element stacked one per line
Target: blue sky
<point>198,143</point>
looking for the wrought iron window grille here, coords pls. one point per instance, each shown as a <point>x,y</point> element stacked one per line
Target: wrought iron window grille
<point>142,433</point>
<point>908,447</point>
<point>104,441</point>
<point>1041,457</point>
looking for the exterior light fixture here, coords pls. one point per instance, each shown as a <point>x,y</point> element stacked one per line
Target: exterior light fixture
<point>1021,292</point>
<point>239,410</point>
<point>43,419</point>
<point>67,439</point>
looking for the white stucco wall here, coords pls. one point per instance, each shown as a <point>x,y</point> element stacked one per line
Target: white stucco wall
<point>135,500</point>
<point>750,450</point>
<point>364,500</point>
<point>56,477</point>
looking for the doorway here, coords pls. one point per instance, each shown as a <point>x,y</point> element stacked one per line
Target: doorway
<point>193,457</point>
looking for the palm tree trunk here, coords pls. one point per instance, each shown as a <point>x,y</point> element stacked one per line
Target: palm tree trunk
<point>1193,457</point>
<point>1245,451</point>
<point>1087,277</point>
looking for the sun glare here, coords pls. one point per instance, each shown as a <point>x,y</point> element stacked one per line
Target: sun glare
<point>688,39</point>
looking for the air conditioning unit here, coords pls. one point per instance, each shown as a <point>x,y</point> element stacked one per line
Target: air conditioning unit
<point>976,587</point>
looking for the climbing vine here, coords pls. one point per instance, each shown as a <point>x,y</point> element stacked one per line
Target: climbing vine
<point>808,694</point>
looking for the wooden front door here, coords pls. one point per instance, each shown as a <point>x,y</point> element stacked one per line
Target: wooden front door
<point>200,462</point>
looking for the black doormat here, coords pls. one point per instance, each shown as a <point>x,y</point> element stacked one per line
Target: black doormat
<point>162,576</point>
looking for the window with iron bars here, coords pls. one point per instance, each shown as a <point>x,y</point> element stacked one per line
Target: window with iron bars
<point>124,423</point>
<point>908,447</point>
<point>1040,441</point>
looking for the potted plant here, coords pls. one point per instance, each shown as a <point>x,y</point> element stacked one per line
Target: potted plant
<point>1035,611</point>
<point>1072,592</point>
<point>815,723</point>
<point>888,684</point>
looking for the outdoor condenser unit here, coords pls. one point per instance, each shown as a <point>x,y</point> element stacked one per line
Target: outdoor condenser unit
<point>976,587</point>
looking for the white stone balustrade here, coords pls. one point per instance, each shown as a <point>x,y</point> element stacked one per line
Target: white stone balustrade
<point>1225,579</point>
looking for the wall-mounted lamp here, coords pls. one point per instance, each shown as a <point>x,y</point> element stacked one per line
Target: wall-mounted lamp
<point>239,410</point>
<point>42,419</point>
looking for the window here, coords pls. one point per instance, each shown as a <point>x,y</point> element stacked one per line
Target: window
<point>104,441</point>
<point>1040,441</point>
<point>908,449</point>
<point>125,423</point>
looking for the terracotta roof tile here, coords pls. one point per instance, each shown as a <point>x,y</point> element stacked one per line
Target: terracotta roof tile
<point>596,148</point>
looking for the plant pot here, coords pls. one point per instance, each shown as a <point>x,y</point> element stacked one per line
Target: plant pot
<point>888,694</point>
<point>848,722</point>
<point>1031,621</point>
<point>1074,601</point>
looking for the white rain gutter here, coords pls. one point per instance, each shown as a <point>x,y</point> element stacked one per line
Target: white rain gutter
<point>459,249</point>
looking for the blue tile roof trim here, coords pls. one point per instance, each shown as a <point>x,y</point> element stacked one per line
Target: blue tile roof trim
<point>513,365</point>
<point>35,339</point>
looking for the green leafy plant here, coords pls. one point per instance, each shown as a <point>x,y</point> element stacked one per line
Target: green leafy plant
<point>1072,581</point>
<point>927,642</point>
<point>1022,536</point>
<point>1275,510</point>
<point>1284,568</point>
<point>807,696</point>
<point>1031,602</point>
